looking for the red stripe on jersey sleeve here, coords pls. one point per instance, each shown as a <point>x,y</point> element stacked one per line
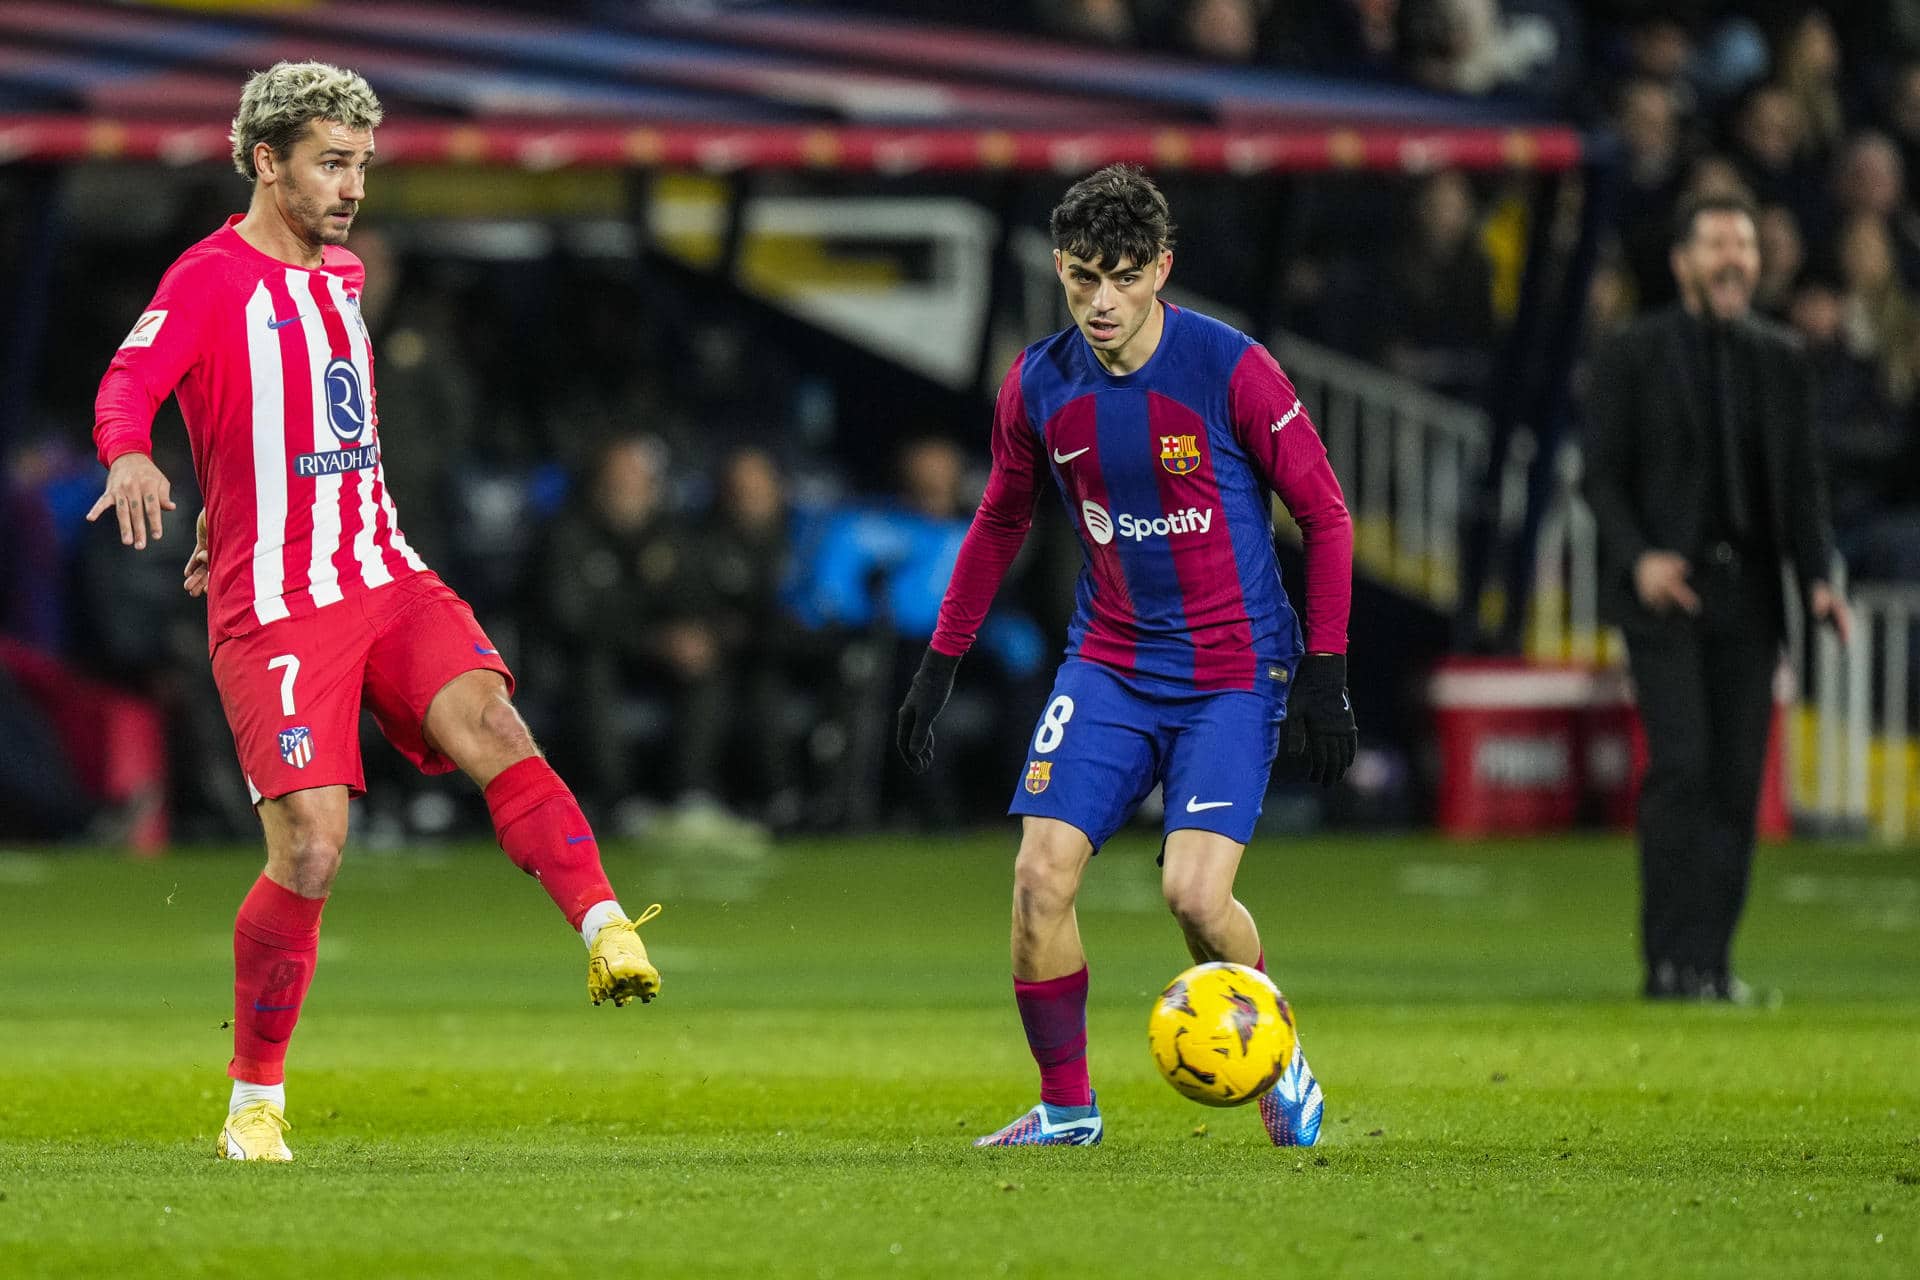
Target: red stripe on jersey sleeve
<point>1112,636</point>
<point>999,525</point>
<point>1211,594</point>
<point>1272,425</point>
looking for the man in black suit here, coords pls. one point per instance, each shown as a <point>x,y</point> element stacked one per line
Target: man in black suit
<point>1704,475</point>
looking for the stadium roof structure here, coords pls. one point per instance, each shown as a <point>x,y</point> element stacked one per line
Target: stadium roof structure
<point>764,88</point>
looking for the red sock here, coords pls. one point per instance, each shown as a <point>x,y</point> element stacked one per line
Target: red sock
<point>539,824</point>
<point>1260,963</point>
<point>275,938</point>
<point>1054,1013</point>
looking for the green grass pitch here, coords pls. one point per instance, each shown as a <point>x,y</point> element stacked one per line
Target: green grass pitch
<point>837,1024</point>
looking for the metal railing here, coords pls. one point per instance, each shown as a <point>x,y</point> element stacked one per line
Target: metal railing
<point>1858,728</point>
<point>1407,459</point>
<point>1851,759</point>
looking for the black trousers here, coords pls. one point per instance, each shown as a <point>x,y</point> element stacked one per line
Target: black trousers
<point>1705,688</point>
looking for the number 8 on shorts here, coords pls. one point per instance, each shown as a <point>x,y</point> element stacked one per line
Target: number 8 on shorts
<point>1053,725</point>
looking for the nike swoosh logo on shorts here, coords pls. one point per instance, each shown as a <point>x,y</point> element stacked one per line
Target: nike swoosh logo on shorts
<point>1068,457</point>
<point>1194,805</point>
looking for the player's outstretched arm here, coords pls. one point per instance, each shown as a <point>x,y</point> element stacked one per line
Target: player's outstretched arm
<point>137,492</point>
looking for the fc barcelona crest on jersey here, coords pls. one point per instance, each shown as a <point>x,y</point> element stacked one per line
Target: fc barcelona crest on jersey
<point>296,746</point>
<point>1180,454</point>
<point>1039,774</point>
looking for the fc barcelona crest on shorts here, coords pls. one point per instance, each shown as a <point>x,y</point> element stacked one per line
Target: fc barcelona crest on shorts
<point>1180,454</point>
<point>1039,774</point>
<point>296,745</point>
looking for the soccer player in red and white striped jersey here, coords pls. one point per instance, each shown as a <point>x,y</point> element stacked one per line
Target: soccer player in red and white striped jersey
<point>316,604</point>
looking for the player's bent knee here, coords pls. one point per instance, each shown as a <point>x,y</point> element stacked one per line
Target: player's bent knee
<point>503,729</point>
<point>1044,882</point>
<point>1198,907</point>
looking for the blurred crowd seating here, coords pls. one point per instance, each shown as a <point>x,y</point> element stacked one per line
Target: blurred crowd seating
<point>712,577</point>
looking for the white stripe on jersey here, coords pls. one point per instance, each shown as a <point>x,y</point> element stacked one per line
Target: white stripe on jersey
<point>323,580</point>
<point>398,539</point>
<point>269,458</point>
<point>373,566</point>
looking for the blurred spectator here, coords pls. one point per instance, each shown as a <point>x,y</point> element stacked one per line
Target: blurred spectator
<point>428,393</point>
<point>1769,145</point>
<point>1782,255</point>
<point>1872,453</point>
<point>1714,175</point>
<point>876,574</point>
<point>1221,30</point>
<point>1610,296</point>
<point>136,629</point>
<point>32,596</point>
<point>1649,122</point>
<point>1439,323</point>
<point>1808,62</point>
<point>1878,319</point>
<point>1870,181</point>
<point>739,561</point>
<point>1342,37</point>
<point>1466,46</point>
<point>1101,21</point>
<point>1903,114</point>
<point>39,796</point>
<point>639,662</point>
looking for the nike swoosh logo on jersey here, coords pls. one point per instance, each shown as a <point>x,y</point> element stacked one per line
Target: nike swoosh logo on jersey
<point>281,324</point>
<point>1194,805</point>
<point>1064,458</point>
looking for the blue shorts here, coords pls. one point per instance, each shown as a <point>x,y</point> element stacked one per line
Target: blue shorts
<point>1104,741</point>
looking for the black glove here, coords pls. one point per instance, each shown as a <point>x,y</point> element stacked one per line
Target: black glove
<point>1320,717</point>
<point>913,729</point>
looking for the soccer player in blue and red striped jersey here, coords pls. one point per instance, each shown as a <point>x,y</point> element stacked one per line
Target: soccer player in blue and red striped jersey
<point>1164,431</point>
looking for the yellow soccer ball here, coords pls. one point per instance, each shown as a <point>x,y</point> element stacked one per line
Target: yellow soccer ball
<point>1221,1034</point>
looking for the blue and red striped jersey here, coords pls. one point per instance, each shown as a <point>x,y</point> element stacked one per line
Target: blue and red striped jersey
<point>1165,473</point>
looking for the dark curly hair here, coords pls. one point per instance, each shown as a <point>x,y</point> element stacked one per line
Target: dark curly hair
<point>1113,216</point>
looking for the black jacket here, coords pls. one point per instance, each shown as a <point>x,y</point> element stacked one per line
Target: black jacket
<point>1649,455</point>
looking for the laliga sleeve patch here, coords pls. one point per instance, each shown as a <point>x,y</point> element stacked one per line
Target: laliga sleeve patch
<point>145,329</point>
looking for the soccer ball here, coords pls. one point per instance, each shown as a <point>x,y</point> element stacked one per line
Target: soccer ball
<point>1221,1034</point>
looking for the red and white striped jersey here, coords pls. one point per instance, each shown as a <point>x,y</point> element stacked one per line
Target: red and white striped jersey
<point>274,373</point>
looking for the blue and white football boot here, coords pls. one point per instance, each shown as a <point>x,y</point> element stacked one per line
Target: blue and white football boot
<point>1291,1109</point>
<point>1050,1126</point>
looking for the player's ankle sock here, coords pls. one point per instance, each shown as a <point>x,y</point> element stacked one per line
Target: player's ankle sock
<point>598,917</point>
<point>1260,961</point>
<point>245,1094</point>
<point>1054,1012</point>
<point>539,824</point>
<point>275,939</point>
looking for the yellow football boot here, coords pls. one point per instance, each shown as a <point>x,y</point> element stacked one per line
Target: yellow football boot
<point>255,1132</point>
<point>617,964</point>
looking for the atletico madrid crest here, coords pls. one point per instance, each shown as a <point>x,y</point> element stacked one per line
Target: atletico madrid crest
<point>296,746</point>
<point>1180,454</point>
<point>1039,774</point>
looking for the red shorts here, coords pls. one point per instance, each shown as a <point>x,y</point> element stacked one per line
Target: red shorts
<point>293,690</point>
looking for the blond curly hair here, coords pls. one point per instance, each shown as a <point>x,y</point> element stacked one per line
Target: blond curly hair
<point>279,103</point>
